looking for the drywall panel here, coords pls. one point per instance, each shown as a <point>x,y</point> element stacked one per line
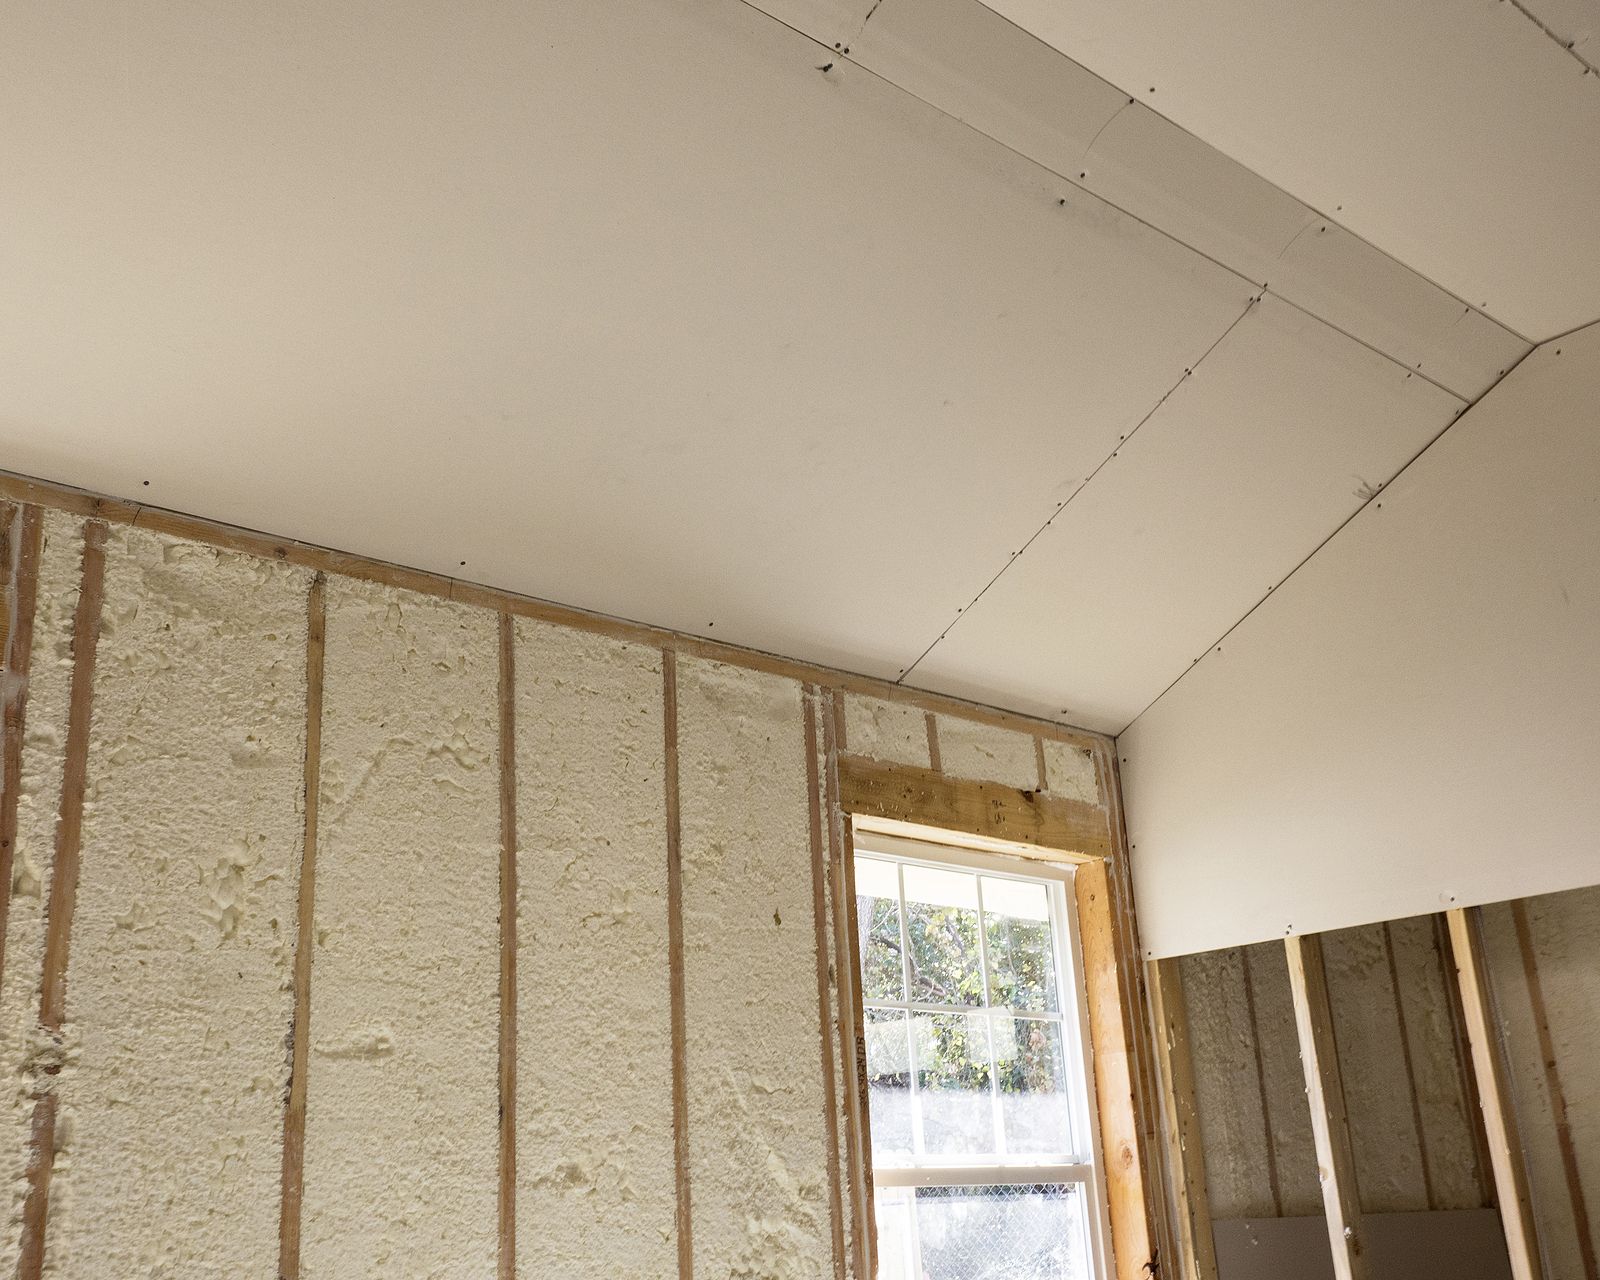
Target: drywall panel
<point>595,1175</point>
<point>885,730</point>
<point>401,1153</point>
<point>1362,745</point>
<point>1279,435</point>
<point>775,354</point>
<point>1574,23</point>
<point>758,1164</point>
<point>967,60</point>
<point>1461,146</point>
<point>22,1050</point>
<point>968,749</point>
<point>1464,1244</point>
<point>178,984</point>
<point>1546,986</point>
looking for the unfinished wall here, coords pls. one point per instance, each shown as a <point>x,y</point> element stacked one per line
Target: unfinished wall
<point>675,816</point>
<point>1404,1073</point>
<point>1544,966</point>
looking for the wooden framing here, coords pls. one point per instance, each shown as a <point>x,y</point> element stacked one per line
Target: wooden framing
<point>1196,1254</point>
<point>1030,821</point>
<point>992,810</point>
<point>23,530</point>
<point>1330,1126</point>
<point>1494,1096</point>
<point>294,1111</point>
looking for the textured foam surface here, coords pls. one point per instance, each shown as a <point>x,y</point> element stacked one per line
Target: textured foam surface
<point>970,749</point>
<point>596,1190</point>
<point>402,1093</point>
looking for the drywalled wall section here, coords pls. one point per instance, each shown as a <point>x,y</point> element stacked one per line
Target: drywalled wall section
<point>188,1005</point>
<point>402,1092</point>
<point>758,1168</point>
<point>38,794</point>
<point>1405,1076</point>
<point>1544,966</point>
<point>177,986</point>
<point>1345,755</point>
<point>596,1190</point>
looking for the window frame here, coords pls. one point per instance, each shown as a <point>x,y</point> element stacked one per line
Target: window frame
<point>1058,878</point>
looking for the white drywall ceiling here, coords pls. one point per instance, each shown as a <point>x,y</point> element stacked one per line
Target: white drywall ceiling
<point>1462,138</point>
<point>1408,723</point>
<point>786,327</point>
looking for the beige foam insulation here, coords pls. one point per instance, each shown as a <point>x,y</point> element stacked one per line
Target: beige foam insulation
<point>1069,771</point>
<point>1227,1088</point>
<point>971,749</point>
<point>1377,1085</point>
<point>1283,1081</point>
<point>883,730</point>
<point>401,1149</point>
<point>1438,1068</point>
<point>178,985</point>
<point>757,1132</point>
<point>1565,932</point>
<point>38,798</point>
<point>596,1190</point>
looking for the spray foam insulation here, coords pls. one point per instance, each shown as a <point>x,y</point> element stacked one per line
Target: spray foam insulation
<point>22,1050</point>
<point>1070,772</point>
<point>1283,1082</point>
<point>758,1158</point>
<point>402,1091</point>
<point>970,749</point>
<point>178,983</point>
<point>1563,933</point>
<point>596,1189</point>
<point>883,730</point>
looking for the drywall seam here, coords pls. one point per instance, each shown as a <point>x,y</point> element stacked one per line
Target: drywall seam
<point>38,793</point>
<point>401,1098</point>
<point>757,1147</point>
<point>179,979</point>
<point>596,1182</point>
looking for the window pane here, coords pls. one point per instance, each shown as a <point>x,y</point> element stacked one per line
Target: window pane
<point>942,922</point>
<point>1032,1078</point>
<point>878,918</point>
<point>952,1065</point>
<point>1014,1232</point>
<point>889,1085</point>
<point>1022,963</point>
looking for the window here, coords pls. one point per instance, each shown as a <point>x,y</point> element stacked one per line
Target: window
<point>983,1141</point>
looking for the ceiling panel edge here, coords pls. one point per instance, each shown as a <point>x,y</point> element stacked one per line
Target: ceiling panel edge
<point>972,63</point>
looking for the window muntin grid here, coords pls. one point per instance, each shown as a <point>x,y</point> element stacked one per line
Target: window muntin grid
<point>996,990</point>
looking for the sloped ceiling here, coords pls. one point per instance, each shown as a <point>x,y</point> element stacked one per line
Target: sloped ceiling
<point>882,335</point>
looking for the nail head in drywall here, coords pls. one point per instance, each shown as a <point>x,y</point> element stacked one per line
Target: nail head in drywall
<point>825,68</point>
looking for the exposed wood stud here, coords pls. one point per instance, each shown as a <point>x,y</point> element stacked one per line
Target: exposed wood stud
<point>1466,1078</point>
<point>1330,1125</point>
<point>1274,1181</point>
<point>680,1069</point>
<point>63,897</point>
<point>852,1043</point>
<point>294,1112</point>
<point>1556,1089</point>
<point>934,761</point>
<point>508,949</point>
<point>1039,764</point>
<point>17,488</point>
<point>1197,1259</point>
<point>989,809</point>
<point>1494,1096</point>
<point>819,914</point>
<point>837,716</point>
<point>23,529</point>
<point>1111,1039</point>
<point>1408,1061</point>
